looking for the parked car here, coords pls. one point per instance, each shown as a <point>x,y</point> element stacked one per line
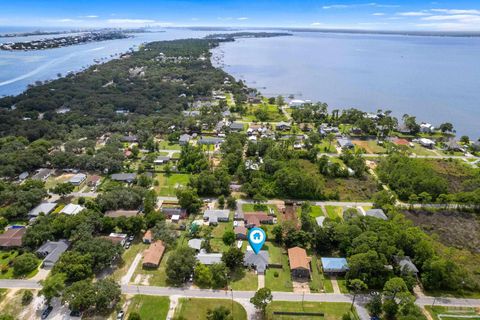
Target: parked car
<point>127,245</point>
<point>46,312</point>
<point>131,238</point>
<point>76,314</point>
<point>120,315</point>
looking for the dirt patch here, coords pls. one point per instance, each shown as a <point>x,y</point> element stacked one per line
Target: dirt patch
<point>456,229</point>
<point>364,145</point>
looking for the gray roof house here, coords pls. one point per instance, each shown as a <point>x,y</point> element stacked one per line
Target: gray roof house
<point>124,177</point>
<point>161,160</point>
<point>195,244</point>
<point>51,252</point>
<point>236,126</point>
<point>258,261</point>
<point>283,126</point>
<point>345,143</point>
<point>45,207</point>
<point>376,213</point>
<point>210,140</point>
<point>77,179</point>
<point>23,176</point>
<point>209,258</point>
<point>406,264</point>
<point>42,174</point>
<point>215,216</point>
<point>184,139</point>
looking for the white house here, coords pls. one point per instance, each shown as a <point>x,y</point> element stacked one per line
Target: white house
<point>72,209</point>
<point>426,127</point>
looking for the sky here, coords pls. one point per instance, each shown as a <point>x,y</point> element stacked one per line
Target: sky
<point>450,15</point>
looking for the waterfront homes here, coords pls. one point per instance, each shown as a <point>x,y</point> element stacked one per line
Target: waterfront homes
<point>297,103</point>
<point>426,127</point>
<point>45,208</point>
<point>215,216</point>
<point>12,238</point>
<point>299,262</point>
<point>257,261</point>
<point>334,265</point>
<point>78,179</point>
<point>51,252</point>
<point>153,255</point>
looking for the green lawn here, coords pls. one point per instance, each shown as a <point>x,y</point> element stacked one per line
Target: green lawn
<point>334,212</point>
<point>453,311</point>
<point>244,280</point>
<point>156,277</point>
<point>342,284</point>
<point>331,311</point>
<point>220,229</point>
<point>327,147</point>
<point>165,145</point>
<point>167,186</point>
<point>6,257</point>
<point>283,280</point>
<point>127,258</point>
<point>421,151</point>
<point>316,211</point>
<point>193,308</point>
<point>275,252</point>
<point>149,307</point>
<point>316,283</point>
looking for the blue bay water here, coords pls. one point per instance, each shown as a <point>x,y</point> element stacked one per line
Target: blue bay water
<point>435,78</point>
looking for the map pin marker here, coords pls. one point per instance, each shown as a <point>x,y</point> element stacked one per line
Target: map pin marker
<point>256,238</point>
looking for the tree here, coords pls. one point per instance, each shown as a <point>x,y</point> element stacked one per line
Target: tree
<point>134,316</point>
<point>107,292</point>
<point>231,203</point>
<point>165,232</point>
<point>52,286</point>
<point>202,276</point>
<point>102,251</point>
<point>383,199</point>
<point>24,264</point>
<point>80,295</point>
<point>180,265</point>
<point>390,308</point>
<point>188,199</point>
<point>27,297</point>
<point>465,140</point>
<point>357,286</point>
<point>375,305</point>
<point>394,286</point>
<point>219,313</point>
<point>228,237</point>
<point>446,127</point>
<point>219,275</point>
<point>63,189</point>
<point>261,299</point>
<point>74,265</point>
<point>233,258</point>
<point>221,201</point>
<point>277,232</point>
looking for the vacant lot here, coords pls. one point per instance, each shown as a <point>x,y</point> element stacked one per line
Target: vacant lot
<point>149,307</point>
<point>331,311</point>
<point>167,186</point>
<point>370,146</point>
<point>454,229</point>
<point>192,308</point>
<point>452,313</point>
<point>460,176</point>
<point>352,189</point>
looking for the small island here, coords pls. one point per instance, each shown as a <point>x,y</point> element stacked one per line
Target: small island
<point>64,41</point>
<point>237,35</point>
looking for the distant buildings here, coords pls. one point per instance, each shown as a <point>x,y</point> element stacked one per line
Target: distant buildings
<point>124,177</point>
<point>427,143</point>
<point>426,127</point>
<point>184,139</point>
<point>345,143</point>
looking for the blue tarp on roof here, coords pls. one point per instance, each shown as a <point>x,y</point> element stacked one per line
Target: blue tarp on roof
<point>334,264</point>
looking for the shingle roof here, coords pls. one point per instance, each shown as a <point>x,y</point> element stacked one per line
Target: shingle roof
<point>53,250</point>
<point>154,253</point>
<point>12,237</point>
<point>195,244</point>
<point>216,214</point>
<point>46,208</point>
<point>260,260</point>
<point>298,258</point>
<point>209,258</point>
<point>334,264</point>
<point>376,213</point>
<point>123,176</point>
<point>78,178</point>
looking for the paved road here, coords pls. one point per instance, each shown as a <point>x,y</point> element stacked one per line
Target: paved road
<point>19,284</point>
<point>126,278</point>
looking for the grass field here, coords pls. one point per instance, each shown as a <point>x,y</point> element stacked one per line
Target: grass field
<point>316,283</point>
<point>370,146</point>
<point>453,313</point>
<point>334,212</point>
<point>165,145</point>
<point>274,252</point>
<point>167,186</point>
<point>156,277</point>
<point>352,189</point>
<point>127,258</point>
<point>331,311</point>
<point>282,282</point>
<point>421,151</point>
<point>327,147</point>
<point>316,211</point>
<point>149,307</point>
<point>193,308</point>
<point>244,280</point>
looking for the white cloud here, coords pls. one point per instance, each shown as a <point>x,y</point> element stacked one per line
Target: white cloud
<point>242,18</point>
<point>457,11</point>
<point>370,4</point>
<point>130,21</point>
<point>459,17</point>
<point>378,14</point>
<point>317,24</point>
<point>413,14</point>
<point>91,16</point>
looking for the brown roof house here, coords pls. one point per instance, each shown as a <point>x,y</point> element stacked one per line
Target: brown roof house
<point>12,238</point>
<point>148,237</point>
<point>255,219</point>
<point>299,262</point>
<point>153,255</point>
<point>240,233</point>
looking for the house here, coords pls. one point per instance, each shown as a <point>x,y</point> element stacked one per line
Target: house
<point>22,176</point>
<point>45,208</point>
<point>12,238</point>
<point>257,261</point>
<point>121,213</point>
<point>283,126</point>
<point>42,174</point>
<point>345,143</point>
<point>153,255</point>
<point>184,139</point>
<point>453,145</point>
<point>376,213</point>
<point>72,209</point>
<point>406,265</point>
<point>334,265</point>
<point>51,252</point>
<point>299,262</point>
<point>124,177</point>
<point>209,258</point>
<point>210,141</point>
<point>170,212</point>
<point>195,244</point>
<point>236,126</point>
<point>427,143</point>
<point>296,103</point>
<point>94,181</point>
<point>117,238</point>
<point>215,216</point>
<point>426,127</point>
<point>129,139</point>
<point>161,160</point>
<point>240,233</point>
<point>239,215</point>
<point>148,237</point>
<point>191,114</point>
<point>255,219</point>
<point>320,220</point>
<point>78,179</point>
